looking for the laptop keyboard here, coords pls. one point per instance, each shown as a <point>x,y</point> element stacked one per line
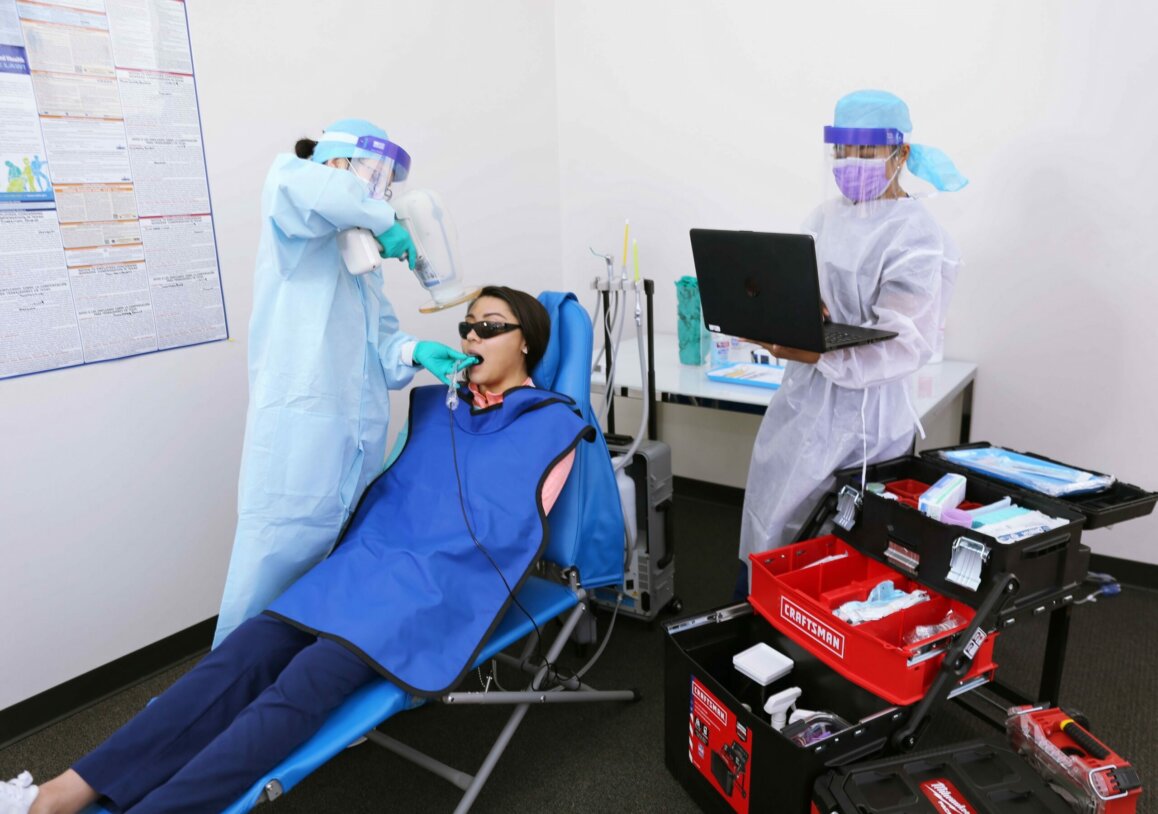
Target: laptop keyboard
<point>839,336</point>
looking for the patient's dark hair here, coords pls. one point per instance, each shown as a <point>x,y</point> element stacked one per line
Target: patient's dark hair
<point>531,316</point>
<point>305,147</point>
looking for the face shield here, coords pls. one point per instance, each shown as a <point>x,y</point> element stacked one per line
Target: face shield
<point>377,161</point>
<point>865,164</point>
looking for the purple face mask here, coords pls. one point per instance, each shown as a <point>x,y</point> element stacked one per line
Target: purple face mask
<point>861,179</point>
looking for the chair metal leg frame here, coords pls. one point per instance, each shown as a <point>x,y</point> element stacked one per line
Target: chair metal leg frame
<point>577,692</point>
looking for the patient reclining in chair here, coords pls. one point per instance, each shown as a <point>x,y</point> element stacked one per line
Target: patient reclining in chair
<point>418,579</point>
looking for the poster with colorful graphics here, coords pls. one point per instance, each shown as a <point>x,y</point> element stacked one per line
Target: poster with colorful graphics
<point>107,245</point>
<point>719,746</point>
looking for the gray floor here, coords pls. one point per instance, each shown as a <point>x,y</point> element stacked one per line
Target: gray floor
<point>586,758</point>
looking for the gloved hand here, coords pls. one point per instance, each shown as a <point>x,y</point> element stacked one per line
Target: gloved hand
<point>441,360</point>
<point>396,242</point>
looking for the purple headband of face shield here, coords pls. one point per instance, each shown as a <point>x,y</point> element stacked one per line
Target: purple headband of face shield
<point>866,136</point>
<point>388,150</point>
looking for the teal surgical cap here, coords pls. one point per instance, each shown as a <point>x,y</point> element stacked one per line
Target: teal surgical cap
<point>345,149</point>
<point>881,110</point>
<point>873,108</point>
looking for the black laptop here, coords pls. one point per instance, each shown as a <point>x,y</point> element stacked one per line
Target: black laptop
<point>765,286</point>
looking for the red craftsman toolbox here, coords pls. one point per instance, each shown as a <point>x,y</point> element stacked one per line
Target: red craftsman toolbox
<point>797,589</point>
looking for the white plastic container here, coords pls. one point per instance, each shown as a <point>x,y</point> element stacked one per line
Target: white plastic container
<point>627,499</point>
<point>762,664</point>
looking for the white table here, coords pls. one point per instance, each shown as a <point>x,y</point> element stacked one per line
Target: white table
<point>934,387</point>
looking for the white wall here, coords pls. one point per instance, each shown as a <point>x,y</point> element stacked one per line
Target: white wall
<point>118,485</point>
<point>685,114</point>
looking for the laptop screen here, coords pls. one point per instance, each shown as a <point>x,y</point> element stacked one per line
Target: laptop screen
<point>760,285</point>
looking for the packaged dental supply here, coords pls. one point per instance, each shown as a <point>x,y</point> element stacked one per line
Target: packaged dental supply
<point>951,621</point>
<point>989,507</point>
<point>946,493</point>
<point>814,727</point>
<point>1024,525</point>
<point>883,600</point>
<point>1038,474</point>
<point>956,517</point>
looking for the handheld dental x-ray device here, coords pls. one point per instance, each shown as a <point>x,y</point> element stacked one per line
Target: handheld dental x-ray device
<point>437,267</point>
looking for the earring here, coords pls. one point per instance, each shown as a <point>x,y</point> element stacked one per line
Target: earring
<point>524,350</point>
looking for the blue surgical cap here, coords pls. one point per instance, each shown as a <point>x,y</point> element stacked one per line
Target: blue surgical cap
<point>880,110</point>
<point>337,149</point>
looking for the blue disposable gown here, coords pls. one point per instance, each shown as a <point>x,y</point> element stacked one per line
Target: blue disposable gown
<point>889,266</point>
<point>324,349</point>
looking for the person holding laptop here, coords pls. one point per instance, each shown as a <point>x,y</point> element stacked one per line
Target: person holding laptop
<point>884,263</point>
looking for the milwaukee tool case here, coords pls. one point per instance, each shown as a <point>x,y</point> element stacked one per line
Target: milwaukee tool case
<point>965,778</point>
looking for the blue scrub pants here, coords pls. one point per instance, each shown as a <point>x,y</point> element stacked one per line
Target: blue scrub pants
<point>226,722</point>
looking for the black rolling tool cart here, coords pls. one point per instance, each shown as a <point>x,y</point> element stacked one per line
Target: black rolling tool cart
<point>719,743</point>
<point>877,683</point>
<point>1049,567</point>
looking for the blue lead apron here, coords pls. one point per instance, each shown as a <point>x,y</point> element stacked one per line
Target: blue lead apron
<point>406,587</point>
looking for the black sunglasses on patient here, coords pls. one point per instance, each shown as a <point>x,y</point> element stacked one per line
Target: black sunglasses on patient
<point>485,329</point>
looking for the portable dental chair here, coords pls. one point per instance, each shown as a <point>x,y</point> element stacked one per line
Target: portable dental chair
<point>585,551</point>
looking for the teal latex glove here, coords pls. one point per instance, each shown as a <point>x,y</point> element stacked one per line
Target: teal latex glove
<point>441,360</point>
<point>396,242</point>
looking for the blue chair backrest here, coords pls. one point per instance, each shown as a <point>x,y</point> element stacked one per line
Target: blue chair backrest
<point>586,522</point>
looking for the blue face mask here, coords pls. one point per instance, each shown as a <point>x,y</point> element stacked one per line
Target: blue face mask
<point>861,179</point>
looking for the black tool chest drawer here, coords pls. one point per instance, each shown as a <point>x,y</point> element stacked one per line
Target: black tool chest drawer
<point>719,743</point>
<point>937,554</point>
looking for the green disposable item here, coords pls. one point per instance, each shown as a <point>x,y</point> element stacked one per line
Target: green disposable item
<point>690,322</point>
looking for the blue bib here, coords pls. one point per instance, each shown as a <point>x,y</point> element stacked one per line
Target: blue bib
<point>407,587</point>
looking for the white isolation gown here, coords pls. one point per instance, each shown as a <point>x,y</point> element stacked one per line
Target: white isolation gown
<point>887,265</point>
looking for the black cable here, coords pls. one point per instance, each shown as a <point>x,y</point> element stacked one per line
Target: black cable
<point>552,671</point>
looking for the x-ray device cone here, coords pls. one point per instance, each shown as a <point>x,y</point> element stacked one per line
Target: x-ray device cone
<point>438,268</point>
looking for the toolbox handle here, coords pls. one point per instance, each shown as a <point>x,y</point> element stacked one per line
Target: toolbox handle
<point>1047,545</point>
<point>957,660</point>
<point>866,749</point>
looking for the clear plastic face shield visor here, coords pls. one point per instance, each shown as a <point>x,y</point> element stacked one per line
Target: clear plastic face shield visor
<point>865,163</point>
<point>376,161</point>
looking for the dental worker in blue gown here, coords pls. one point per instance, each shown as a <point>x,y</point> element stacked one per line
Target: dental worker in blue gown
<point>324,350</point>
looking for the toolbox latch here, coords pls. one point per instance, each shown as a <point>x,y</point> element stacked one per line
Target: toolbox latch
<point>904,558</point>
<point>965,564</point>
<point>847,505</point>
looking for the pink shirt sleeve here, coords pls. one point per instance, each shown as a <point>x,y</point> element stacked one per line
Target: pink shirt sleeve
<point>558,475</point>
<point>555,480</point>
